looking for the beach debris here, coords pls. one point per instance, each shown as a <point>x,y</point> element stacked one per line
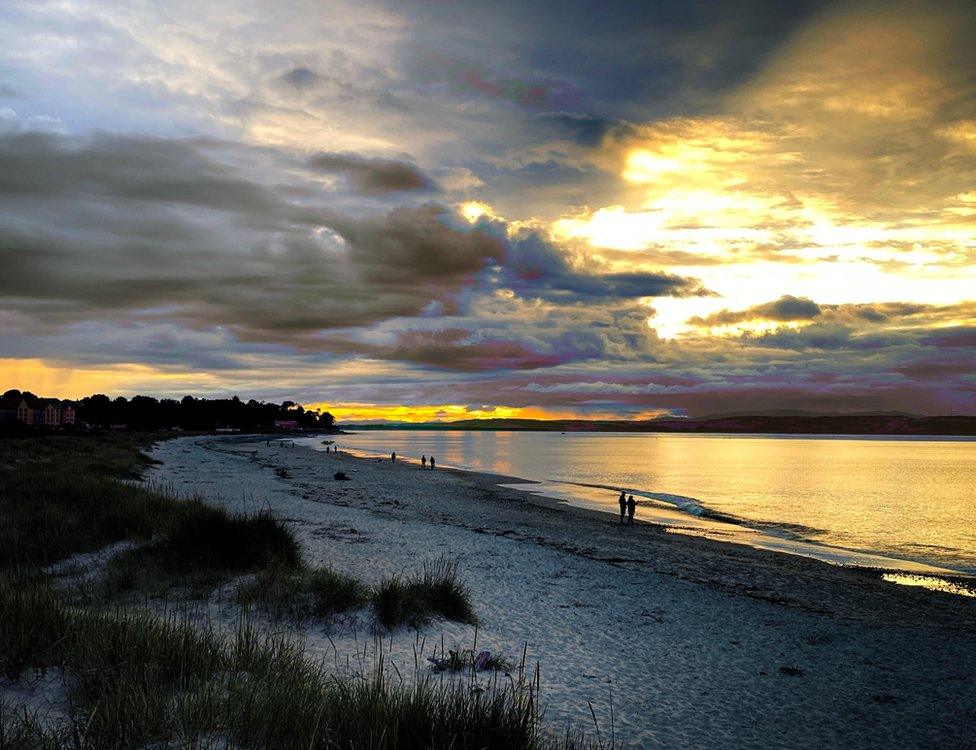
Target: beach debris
<point>791,671</point>
<point>481,660</point>
<point>340,475</point>
<point>455,661</point>
<point>282,472</point>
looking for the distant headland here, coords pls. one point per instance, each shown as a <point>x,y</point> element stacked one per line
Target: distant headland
<point>774,424</point>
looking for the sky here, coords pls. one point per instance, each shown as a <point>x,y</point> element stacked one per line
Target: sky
<point>403,210</point>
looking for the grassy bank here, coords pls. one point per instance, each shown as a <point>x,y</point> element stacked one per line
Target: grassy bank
<point>61,495</point>
<point>129,680</point>
<point>137,681</point>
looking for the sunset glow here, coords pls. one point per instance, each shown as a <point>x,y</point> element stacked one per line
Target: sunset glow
<point>791,209</point>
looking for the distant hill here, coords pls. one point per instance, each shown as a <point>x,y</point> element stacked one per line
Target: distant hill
<point>774,424</point>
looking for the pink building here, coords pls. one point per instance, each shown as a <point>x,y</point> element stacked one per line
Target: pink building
<point>52,415</point>
<point>24,413</point>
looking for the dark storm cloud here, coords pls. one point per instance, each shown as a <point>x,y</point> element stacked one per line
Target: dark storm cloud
<point>187,231</point>
<point>817,336</point>
<point>856,316</point>
<point>46,166</point>
<point>538,269</point>
<point>373,176</point>
<point>417,244</point>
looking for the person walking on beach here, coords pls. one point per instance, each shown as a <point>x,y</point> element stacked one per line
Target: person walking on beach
<point>393,457</point>
<point>623,505</point>
<point>423,462</point>
<point>431,462</point>
<point>631,507</point>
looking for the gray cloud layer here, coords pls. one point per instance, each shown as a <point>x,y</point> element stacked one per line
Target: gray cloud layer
<point>185,231</point>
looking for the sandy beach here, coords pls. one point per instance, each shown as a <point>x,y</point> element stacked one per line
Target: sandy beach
<point>685,642</point>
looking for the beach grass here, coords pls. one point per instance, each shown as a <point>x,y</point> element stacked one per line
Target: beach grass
<point>138,681</point>
<point>61,495</point>
<point>303,594</point>
<point>203,546</point>
<point>437,590</point>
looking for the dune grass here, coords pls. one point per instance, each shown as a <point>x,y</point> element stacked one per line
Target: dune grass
<point>60,495</point>
<point>303,594</point>
<point>464,660</point>
<point>203,546</point>
<point>437,590</point>
<point>139,681</point>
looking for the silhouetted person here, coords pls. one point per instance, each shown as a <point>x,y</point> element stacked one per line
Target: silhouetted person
<point>393,457</point>
<point>432,462</point>
<point>423,462</point>
<point>631,507</point>
<point>623,505</point>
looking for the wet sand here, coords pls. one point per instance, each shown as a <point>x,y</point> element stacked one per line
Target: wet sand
<point>699,643</point>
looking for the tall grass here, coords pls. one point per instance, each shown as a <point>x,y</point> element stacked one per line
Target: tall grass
<point>140,681</point>
<point>60,495</point>
<point>210,537</point>
<point>303,594</point>
<point>438,590</point>
<point>204,546</point>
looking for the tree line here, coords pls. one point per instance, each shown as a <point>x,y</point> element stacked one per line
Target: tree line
<point>188,413</point>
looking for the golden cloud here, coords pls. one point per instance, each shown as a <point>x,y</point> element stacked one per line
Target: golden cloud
<point>844,168</point>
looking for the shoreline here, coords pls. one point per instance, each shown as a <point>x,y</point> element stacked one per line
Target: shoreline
<point>699,643</point>
<point>669,511</point>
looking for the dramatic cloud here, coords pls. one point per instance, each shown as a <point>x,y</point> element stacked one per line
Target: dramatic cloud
<point>372,176</point>
<point>182,230</point>
<point>783,309</point>
<point>537,268</point>
<point>678,207</point>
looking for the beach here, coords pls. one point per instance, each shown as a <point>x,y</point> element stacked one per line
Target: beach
<point>667,639</point>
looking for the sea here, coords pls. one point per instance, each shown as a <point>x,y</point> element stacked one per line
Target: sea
<point>899,503</point>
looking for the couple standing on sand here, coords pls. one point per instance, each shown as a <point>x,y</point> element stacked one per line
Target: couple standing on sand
<point>627,507</point>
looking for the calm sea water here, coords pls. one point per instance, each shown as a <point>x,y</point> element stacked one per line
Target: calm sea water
<point>906,498</point>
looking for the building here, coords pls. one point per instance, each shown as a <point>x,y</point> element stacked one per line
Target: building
<point>25,413</point>
<point>47,412</point>
<point>51,414</point>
